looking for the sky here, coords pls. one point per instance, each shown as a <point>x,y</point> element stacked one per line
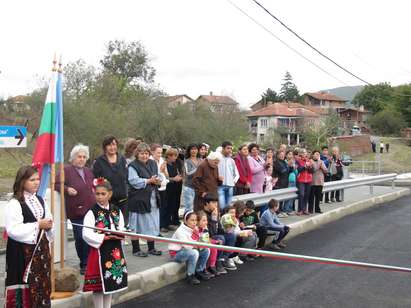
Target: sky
<point>203,46</point>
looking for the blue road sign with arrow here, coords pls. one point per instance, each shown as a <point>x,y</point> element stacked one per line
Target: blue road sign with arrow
<point>13,136</point>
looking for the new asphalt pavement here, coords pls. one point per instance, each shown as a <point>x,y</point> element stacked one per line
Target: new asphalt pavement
<point>378,235</point>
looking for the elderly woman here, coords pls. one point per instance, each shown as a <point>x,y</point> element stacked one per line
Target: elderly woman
<point>257,166</point>
<point>113,167</point>
<point>130,149</point>
<point>243,166</point>
<point>29,226</point>
<point>206,179</point>
<point>79,196</point>
<point>144,199</point>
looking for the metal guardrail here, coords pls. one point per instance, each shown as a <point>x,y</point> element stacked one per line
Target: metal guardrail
<point>292,192</point>
<point>365,167</point>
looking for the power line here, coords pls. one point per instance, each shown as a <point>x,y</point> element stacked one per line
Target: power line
<point>307,43</point>
<point>285,44</point>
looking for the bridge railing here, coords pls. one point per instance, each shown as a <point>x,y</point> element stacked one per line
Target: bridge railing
<point>292,192</point>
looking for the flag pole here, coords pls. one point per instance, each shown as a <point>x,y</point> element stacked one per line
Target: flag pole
<point>52,203</point>
<point>62,202</point>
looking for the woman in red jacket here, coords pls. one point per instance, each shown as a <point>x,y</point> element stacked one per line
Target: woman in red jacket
<point>243,184</point>
<point>304,179</point>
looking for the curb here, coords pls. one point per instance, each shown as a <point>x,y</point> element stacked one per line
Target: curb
<point>157,277</point>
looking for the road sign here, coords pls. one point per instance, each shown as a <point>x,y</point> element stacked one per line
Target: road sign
<point>13,137</point>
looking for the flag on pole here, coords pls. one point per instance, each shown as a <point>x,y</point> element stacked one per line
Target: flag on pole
<point>49,144</point>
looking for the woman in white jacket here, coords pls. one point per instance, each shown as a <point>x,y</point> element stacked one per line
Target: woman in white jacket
<point>196,259</point>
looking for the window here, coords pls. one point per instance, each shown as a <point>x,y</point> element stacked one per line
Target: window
<point>282,122</point>
<point>263,123</point>
<point>261,138</point>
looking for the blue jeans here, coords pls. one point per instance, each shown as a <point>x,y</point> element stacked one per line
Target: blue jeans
<point>228,239</point>
<point>288,204</point>
<point>196,260</point>
<point>188,198</point>
<point>304,190</point>
<point>225,195</point>
<point>81,245</point>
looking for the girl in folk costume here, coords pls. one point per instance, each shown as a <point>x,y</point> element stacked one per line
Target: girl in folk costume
<point>106,267</point>
<point>29,227</point>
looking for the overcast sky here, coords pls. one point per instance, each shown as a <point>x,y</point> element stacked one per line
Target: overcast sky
<point>202,46</point>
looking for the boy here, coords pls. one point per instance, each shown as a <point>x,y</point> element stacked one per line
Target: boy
<point>270,221</point>
<point>250,220</point>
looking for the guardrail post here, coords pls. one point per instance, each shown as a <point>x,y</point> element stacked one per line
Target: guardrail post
<point>371,189</point>
<point>393,184</point>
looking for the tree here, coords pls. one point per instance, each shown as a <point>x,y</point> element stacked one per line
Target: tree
<point>128,61</point>
<point>289,91</point>
<point>402,101</point>
<point>270,96</point>
<point>318,132</point>
<point>375,97</point>
<point>79,77</point>
<point>387,122</point>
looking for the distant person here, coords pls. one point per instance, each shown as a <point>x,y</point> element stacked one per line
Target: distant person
<point>257,166</point>
<point>191,163</point>
<point>373,146</point>
<point>228,172</point>
<point>244,182</point>
<point>387,147</point>
<point>381,147</point>
<point>203,150</point>
<point>319,170</point>
<point>304,179</point>
<point>130,149</point>
<point>337,173</point>
<point>327,177</point>
<point>269,156</point>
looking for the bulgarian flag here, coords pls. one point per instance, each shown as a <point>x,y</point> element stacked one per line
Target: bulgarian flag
<point>49,143</point>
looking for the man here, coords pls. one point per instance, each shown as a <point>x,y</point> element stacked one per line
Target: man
<point>327,177</point>
<point>228,173</point>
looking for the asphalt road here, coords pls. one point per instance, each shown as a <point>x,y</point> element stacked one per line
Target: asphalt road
<point>379,235</point>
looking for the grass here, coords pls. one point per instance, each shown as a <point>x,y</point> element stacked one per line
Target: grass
<point>397,160</point>
<point>10,161</point>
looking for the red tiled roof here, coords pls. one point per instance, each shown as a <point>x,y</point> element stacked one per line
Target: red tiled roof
<point>215,99</point>
<point>284,109</point>
<point>326,96</point>
<point>174,97</point>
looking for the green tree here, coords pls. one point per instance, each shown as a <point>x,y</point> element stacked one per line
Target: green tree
<point>289,91</point>
<point>375,97</point>
<point>270,96</point>
<point>387,122</point>
<point>317,133</point>
<point>402,99</point>
<point>79,78</point>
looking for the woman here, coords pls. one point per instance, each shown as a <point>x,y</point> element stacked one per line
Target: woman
<point>144,199</point>
<point>337,173</point>
<point>29,226</point>
<point>113,167</point>
<point>206,179</point>
<point>319,170</point>
<point>191,164</point>
<point>241,161</point>
<point>304,179</point>
<point>269,157</point>
<point>257,166</point>
<point>169,217</point>
<point>156,155</point>
<point>79,196</point>
<point>130,149</point>
<point>292,181</point>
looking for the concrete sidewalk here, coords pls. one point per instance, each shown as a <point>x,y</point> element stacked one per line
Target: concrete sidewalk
<point>148,274</point>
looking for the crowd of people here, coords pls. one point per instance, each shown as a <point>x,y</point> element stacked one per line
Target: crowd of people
<point>141,191</point>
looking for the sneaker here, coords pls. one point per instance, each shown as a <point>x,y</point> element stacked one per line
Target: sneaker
<point>164,230</point>
<point>332,200</point>
<point>229,265</point>
<point>282,215</point>
<point>213,270</point>
<point>140,253</point>
<point>202,276</point>
<point>273,246</point>
<point>155,252</point>
<point>246,258</point>
<point>220,268</point>
<point>237,260</point>
<point>281,245</point>
<point>191,279</point>
<point>291,213</point>
<point>209,273</point>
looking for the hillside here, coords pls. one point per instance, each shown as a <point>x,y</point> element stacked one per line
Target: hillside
<point>347,93</point>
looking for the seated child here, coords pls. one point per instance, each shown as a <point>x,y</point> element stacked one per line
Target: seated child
<point>270,221</point>
<point>244,238</point>
<point>250,220</point>
<point>106,271</point>
<point>196,259</point>
<point>204,236</point>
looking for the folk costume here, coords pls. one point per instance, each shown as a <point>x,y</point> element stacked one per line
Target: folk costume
<point>28,257</point>
<point>106,267</point>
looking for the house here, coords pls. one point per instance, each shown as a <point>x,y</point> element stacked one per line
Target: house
<point>178,100</point>
<point>218,103</point>
<point>288,119</point>
<point>324,100</point>
<point>17,104</point>
<point>351,116</point>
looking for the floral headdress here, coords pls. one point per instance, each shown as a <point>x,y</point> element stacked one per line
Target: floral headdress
<point>99,182</point>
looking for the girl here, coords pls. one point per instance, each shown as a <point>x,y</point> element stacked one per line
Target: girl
<point>196,259</point>
<point>204,236</point>
<point>191,162</point>
<point>106,267</point>
<point>29,226</point>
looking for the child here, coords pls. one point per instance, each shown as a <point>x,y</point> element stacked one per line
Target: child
<point>204,236</point>
<point>196,258</point>
<point>270,221</point>
<point>106,267</point>
<point>269,180</point>
<point>250,220</point>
